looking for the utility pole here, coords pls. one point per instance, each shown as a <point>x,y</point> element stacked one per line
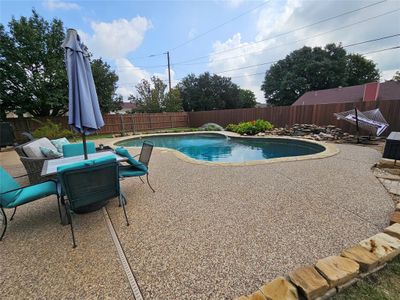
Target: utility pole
<point>169,71</point>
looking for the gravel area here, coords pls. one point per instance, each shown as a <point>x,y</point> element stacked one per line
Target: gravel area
<point>37,260</point>
<point>207,233</point>
<point>221,232</point>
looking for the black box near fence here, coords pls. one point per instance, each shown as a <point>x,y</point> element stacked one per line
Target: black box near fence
<point>392,147</point>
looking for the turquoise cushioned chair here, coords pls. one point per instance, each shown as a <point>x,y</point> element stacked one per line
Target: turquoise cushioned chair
<point>77,149</point>
<point>136,168</point>
<point>88,185</point>
<point>13,195</point>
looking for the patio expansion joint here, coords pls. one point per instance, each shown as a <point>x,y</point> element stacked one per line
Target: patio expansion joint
<point>317,192</point>
<point>137,294</point>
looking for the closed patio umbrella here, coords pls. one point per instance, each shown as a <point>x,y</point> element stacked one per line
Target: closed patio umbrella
<point>84,114</point>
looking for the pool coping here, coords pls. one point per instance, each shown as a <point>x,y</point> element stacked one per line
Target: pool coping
<point>330,149</point>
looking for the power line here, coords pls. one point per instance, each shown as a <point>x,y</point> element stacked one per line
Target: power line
<point>382,50</point>
<point>218,26</point>
<point>294,42</point>
<point>373,40</point>
<point>298,29</point>
<point>275,61</point>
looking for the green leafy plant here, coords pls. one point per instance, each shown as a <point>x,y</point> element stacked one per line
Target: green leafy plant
<point>52,130</point>
<point>251,127</point>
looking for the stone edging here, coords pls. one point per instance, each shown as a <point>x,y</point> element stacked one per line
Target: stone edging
<point>330,149</point>
<point>332,274</point>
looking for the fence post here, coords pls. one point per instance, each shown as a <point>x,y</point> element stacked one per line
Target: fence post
<point>122,124</point>
<point>151,125</point>
<point>133,123</point>
<point>170,121</point>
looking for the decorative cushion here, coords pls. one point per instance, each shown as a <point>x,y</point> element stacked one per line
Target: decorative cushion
<point>77,149</point>
<point>34,192</point>
<point>58,143</point>
<point>33,149</point>
<point>136,164</point>
<point>7,184</point>
<point>50,153</point>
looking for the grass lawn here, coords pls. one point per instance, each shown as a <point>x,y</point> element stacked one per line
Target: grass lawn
<point>383,285</point>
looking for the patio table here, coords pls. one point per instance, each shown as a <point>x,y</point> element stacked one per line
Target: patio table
<point>50,166</point>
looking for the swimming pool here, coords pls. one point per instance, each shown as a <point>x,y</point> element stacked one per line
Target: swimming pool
<point>220,148</point>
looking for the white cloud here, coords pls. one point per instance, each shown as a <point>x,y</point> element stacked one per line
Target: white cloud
<point>278,18</point>
<point>56,4</point>
<point>129,76</point>
<point>118,38</point>
<point>234,3</point>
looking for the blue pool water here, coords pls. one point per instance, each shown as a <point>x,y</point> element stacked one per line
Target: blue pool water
<point>219,148</point>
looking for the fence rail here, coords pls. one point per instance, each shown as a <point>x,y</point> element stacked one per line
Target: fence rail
<point>113,123</point>
<point>281,116</point>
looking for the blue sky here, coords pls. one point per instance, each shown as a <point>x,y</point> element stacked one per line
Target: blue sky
<point>249,33</point>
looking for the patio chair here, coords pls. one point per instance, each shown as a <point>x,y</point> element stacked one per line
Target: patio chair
<point>136,168</point>
<point>89,183</point>
<point>13,195</point>
<point>77,149</point>
<point>32,159</point>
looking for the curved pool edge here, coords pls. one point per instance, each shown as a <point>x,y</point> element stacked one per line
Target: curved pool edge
<point>330,149</point>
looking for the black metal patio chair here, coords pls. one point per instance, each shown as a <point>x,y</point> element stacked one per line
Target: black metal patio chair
<point>137,168</point>
<point>88,185</point>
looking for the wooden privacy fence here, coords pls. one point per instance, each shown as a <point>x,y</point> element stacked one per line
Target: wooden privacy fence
<point>113,123</point>
<point>281,116</point>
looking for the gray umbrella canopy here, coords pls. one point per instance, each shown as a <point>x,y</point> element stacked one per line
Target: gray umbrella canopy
<point>84,111</point>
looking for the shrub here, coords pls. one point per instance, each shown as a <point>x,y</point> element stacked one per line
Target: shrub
<point>250,128</point>
<point>52,131</point>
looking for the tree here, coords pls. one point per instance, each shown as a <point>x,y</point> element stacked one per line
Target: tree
<point>396,76</point>
<point>33,77</point>
<point>208,92</point>
<point>173,101</point>
<point>316,68</point>
<point>360,70</point>
<point>247,98</point>
<point>150,95</point>
<point>106,80</point>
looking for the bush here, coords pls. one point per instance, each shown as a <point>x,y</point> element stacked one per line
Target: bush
<point>250,128</point>
<point>52,131</point>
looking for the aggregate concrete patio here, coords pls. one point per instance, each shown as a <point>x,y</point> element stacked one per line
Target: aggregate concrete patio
<point>207,233</point>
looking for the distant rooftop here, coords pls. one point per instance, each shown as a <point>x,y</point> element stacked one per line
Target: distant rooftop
<point>389,90</point>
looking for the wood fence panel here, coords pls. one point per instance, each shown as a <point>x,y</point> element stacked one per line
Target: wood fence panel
<point>282,116</point>
<point>113,123</point>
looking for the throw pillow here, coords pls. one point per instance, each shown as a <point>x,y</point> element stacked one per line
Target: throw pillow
<point>59,144</point>
<point>50,153</point>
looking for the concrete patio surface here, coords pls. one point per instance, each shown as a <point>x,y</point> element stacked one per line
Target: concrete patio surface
<point>207,233</point>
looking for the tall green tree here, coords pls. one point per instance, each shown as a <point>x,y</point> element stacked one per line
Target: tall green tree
<point>150,95</point>
<point>208,92</point>
<point>32,71</point>
<point>247,98</point>
<point>315,68</point>
<point>106,81</point>
<point>33,77</point>
<point>173,101</point>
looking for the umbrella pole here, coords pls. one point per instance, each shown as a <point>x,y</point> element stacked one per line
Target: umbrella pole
<point>84,145</point>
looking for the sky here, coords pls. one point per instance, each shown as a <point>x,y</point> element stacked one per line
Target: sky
<point>234,38</point>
